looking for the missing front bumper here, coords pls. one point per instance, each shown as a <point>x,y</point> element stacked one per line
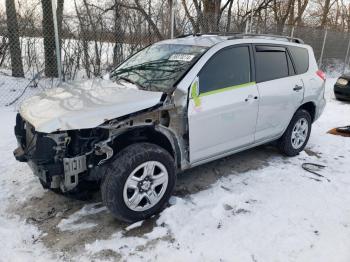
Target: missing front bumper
<point>59,175</point>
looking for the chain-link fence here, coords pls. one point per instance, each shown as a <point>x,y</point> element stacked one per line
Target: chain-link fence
<point>86,38</point>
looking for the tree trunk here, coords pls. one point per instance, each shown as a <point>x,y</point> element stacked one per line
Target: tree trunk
<point>229,17</point>
<point>325,11</point>
<point>194,24</point>
<point>149,20</point>
<point>200,18</point>
<point>3,50</point>
<point>49,40</point>
<point>13,35</point>
<point>281,13</point>
<point>60,5</point>
<point>211,13</point>
<point>97,68</point>
<point>84,41</point>
<point>301,9</point>
<point>118,55</point>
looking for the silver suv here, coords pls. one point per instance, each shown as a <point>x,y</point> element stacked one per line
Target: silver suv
<point>174,105</point>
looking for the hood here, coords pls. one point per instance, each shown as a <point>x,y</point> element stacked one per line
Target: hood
<point>85,104</point>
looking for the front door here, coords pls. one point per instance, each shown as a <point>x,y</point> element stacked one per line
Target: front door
<point>223,107</point>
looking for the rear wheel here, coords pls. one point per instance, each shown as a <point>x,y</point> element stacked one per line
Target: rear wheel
<point>138,182</point>
<point>297,134</point>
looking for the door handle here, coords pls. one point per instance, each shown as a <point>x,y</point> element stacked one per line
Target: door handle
<point>251,97</point>
<point>297,88</point>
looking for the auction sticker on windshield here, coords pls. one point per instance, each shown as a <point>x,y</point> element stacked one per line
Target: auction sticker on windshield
<point>181,57</point>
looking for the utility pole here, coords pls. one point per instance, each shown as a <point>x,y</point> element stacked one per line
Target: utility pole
<point>323,46</point>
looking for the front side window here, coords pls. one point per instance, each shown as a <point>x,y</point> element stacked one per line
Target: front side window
<point>229,67</point>
<point>159,66</point>
<point>271,63</point>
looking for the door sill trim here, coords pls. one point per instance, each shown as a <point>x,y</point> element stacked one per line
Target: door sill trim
<point>231,152</point>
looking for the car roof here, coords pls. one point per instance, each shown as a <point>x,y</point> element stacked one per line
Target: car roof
<point>209,40</point>
<point>197,40</point>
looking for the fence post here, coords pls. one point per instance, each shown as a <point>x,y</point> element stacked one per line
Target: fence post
<point>346,56</point>
<point>57,40</point>
<point>246,27</point>
<point>251,17</point>
<point>247,22</point>
<point>323,46</point>
<point>292,33</point>
<point>172,18</point>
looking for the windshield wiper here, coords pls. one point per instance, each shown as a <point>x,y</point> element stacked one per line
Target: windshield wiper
<point>131,82</point>
<point>147,66</point>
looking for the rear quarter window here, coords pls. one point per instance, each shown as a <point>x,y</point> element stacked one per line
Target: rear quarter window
<point>300,57</point>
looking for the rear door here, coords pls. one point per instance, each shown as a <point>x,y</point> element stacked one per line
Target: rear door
<point>281,90</point>
<point>223,111</point>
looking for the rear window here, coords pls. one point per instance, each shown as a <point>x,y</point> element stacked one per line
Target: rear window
<point>271,63</point>
<point>301,59</point>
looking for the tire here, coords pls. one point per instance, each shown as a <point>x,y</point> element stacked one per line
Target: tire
<point>289,146</point>
<point>134,163</point>
<point>338,98</point>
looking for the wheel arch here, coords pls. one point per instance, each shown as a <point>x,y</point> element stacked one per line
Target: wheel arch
<point>310,107</point>
<point>157,135</point>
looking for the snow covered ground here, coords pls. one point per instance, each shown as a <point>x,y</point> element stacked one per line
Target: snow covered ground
<point>255,206</point>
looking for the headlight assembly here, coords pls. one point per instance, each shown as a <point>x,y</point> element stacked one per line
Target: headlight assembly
<point>342,82</point>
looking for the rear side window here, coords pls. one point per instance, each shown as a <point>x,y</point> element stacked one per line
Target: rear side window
<point>271,63</point>
<point>301,58</point>
<point>227,68</point>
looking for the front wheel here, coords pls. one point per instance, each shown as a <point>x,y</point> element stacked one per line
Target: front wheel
<point>297,134</point>
<point>138,182</point>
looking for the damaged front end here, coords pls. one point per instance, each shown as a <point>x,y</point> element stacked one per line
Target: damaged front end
<point>61,159</point>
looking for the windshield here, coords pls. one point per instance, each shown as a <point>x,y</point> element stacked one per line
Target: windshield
<point>159,66</point>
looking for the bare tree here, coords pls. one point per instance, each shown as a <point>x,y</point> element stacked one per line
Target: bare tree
<point>282,10</point>
<point>326,7</point>
<point>229,17</point>
<point>4,44</point>
<point>13,35</point>
<point>49,36</point>
<point>301,7</point>
<point>84,40</point>
<point>93,25</point>
<point>118,54</point>
<point>192,19</point>
<point>60,6</point>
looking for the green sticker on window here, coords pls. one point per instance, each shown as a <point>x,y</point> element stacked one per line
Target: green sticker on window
<point>226,89</point>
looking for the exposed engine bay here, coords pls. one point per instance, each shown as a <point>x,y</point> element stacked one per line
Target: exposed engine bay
<point>61,159</point>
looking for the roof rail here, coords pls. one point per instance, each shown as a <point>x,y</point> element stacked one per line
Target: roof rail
<point>198,34</point>
<point>286,38</point>
<point>236,35</point>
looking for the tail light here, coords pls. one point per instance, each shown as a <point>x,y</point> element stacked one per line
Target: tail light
<point>321,74</point>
